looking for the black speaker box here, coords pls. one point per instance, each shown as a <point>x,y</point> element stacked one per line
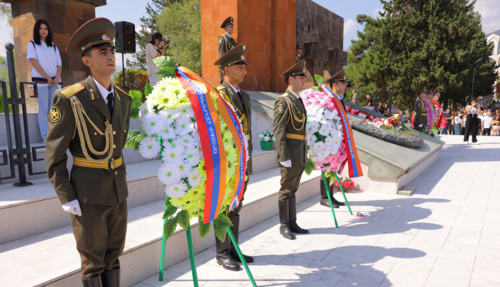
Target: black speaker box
<point>125,37</point>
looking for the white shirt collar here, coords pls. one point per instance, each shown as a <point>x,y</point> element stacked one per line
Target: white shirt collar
<point>104,92</point>
<point>294,94</point>
<point>298,55</point>
<point>229,35</point>
<point>236,90</point>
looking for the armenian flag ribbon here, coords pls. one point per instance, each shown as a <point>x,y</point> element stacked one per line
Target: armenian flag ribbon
<point>352,158</point>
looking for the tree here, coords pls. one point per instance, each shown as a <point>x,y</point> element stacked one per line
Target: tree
<point>181,23</point>
<point>143,36</point>
<point>6,13</point>
<point>367,66</point>
<point>434,43</point>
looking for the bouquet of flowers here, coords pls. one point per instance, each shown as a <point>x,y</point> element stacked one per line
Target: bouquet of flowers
<point>266,136</point>
<point>171,131</point>
<point>324,132</point>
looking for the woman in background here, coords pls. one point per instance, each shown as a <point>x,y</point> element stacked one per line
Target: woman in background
<point>154,49</point>
<point>46,60</point>
<point>458,123</point>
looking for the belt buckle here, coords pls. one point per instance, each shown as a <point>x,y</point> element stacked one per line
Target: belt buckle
<point>112,164</point>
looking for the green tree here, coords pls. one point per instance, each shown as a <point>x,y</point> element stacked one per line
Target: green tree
<point>366,63</point>
<point>149,26</point>
<point>6,13</point>
<point>180,22</point>
<point>434,43</point>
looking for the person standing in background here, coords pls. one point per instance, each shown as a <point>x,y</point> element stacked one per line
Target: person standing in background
<point>458,123</point>
<point>413,116</point>
<point>299,49</point>
<point>471,125</point>
<point>368,101</point>
<point>420,122</point>
<point>355,98</point>
<point>226,42</point>
<point>486,124</point>
<point>46,60</point>
<point>448,116</point>
<point>154,49</point>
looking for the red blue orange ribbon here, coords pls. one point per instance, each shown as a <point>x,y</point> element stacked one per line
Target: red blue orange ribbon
<point>353,159</point>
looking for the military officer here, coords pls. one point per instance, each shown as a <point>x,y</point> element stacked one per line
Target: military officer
<point>234,65</point>
<point>91,119</point>
<point>338,85</point>
<point>226,41</point>
<point>299,49</point>
<point>420,122</point>
<point>290,133</point>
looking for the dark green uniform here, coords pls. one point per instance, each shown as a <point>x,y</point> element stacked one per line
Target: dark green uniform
<point>290,136</point>
<point>95,134</point>
<point>298,58</point>
<point>226,43</point>
<point>243,108</point>
<point>421,118</point>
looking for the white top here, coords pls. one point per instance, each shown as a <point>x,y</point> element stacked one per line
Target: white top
<point>458,120</point>
<point>150,55</point>
<point>228,35</point>
<point>487,122</point>
<point>104,92</point>
<point>236,90</point>
<point>472,111</point>
<point>47,58</point>
<point>294,94</point>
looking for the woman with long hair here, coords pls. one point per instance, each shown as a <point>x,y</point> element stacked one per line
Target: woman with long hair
<point>458,123</point>
<point>46,60</point>
<point>154,49</point>
<point>495,126</point>
<point>472,111</point>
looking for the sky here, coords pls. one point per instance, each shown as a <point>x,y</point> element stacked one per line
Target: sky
<point>132,10</point>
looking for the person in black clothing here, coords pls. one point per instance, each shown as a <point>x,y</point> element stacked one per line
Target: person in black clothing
<point>299,49</point>
<point>380,108</point>
<point>471,123</point>
<point>368,101</point>
<point>449,117</point>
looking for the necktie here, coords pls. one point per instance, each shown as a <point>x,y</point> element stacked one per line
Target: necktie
<point>110,103</point>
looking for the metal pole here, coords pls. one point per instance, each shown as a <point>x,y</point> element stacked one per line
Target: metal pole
<point>390,104</point>
<point>19,151</point>
<point>123,73</point>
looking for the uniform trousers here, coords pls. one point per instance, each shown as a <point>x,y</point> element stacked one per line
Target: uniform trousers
<point>470,128</point>
<point>100,236</point>
<point>290,180</point>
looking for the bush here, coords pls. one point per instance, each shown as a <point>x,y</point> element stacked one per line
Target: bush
<point>134,80</point>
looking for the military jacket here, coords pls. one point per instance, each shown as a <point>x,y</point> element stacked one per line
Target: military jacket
<point>298,58</point>
<point>226,43</point>
<point>289,132</point>
<point>421,109</point>
<point>87,184</point>
<point>243,107</point>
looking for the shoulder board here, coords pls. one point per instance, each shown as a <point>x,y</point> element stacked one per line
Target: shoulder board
<point>285,95</point>
<point>72,90</point>
<point>121,91</point>
<point>221,88</point>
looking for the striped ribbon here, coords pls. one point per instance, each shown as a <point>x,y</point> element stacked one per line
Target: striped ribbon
<point>209,128</point>
<point>353,159</point>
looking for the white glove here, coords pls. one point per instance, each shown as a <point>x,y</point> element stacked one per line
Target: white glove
<point>287,163</point>
<point>420,125</point>
<point>73,207</point>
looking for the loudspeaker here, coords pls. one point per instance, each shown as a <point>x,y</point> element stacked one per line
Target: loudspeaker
<point>125,37</point>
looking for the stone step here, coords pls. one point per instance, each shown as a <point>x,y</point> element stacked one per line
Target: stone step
<point>34,209</point>
<point>52,260</point>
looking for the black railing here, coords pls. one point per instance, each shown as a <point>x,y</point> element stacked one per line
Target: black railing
<point>17,155</point>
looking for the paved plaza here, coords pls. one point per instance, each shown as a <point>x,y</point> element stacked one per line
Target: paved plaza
<point>446,234</point>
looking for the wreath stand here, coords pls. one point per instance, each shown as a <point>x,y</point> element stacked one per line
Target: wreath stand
<point>327,188</point>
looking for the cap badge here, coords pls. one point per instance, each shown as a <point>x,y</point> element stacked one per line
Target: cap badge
<point>242,57</point>
<point>105,37</point>
<point>244,48</point>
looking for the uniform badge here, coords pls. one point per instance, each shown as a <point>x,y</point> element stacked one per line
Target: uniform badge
<point>280,109</point>
<point>220,41</point>
<point>105,37</point>
<point>55,114</point>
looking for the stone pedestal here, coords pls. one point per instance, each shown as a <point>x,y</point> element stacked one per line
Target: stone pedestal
<point>267,27</point>
<point>64,18</point>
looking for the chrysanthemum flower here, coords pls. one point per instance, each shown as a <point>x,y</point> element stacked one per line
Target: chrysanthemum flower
<point>149,147</point>
<point>152,124</point>
<point>195,177</point>
<point>169,174</point>
<point>143,110</point>
<point>177,190</point>
<point>192,156</point>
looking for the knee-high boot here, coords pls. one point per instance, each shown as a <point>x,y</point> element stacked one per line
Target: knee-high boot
<point>293,216</point>
<point>223,254</point>
<point>324,197</point>
<point>236,231</point>
<point>284,212</point>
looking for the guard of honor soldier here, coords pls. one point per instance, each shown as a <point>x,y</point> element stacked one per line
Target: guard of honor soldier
<point>420,122</point>
<point>299,49</point>
<point>91,119</point>
<point>226,42</point>
<point>289,127</point>
<point>233,65</point>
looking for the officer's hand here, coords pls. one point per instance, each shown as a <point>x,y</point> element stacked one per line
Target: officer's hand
<point>287,163</point>
<point>421,125</point>
<point>73,207</point>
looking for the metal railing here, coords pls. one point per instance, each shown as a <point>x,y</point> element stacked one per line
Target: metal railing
<point>17,155</point>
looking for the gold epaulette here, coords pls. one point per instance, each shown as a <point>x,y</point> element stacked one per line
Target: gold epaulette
<point>72,90</point>
<point>285,95</point>
<point>221,88</point>
<point>121,90</point>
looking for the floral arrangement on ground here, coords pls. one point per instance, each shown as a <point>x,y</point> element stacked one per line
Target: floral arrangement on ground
<point>171,132</point>
<point>394,123</point>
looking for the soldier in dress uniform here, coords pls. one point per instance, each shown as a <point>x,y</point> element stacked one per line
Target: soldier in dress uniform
<point>226,41</point>
<point>420,122</point>
<point>290,133</point>
<point>91,119</point>
<point>234,65</point>
<point>338,85</point>
<point>299,49</point>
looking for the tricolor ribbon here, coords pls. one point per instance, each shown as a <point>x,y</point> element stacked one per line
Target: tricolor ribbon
<point>208,123</point>
<point>353,159</point>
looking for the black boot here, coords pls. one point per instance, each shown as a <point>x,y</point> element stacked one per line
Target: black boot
<point>293,216</point>
<point>324,197</point>
<point>223,254</point>
<point>111,278</point>
<point>236,231</point>
<point>92,282</point>
<point>284,212</point>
